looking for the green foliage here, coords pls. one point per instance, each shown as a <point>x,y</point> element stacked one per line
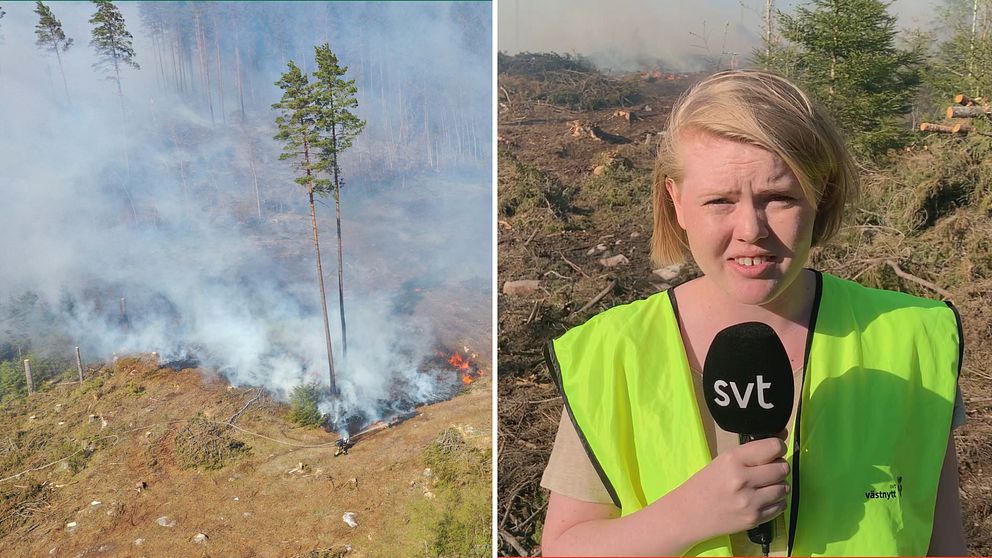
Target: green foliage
<point>111,40</point>
<point>49,30</point>
<point>618,187</point>
<point>316,122</point>
<point>297,125</point>
<point>303,408</point>
<point>335,99</point>
<point>928,211</point>
<point>12,381</point>
<point>457,522</point>
<point>843,53</point>
<point>524,189</point>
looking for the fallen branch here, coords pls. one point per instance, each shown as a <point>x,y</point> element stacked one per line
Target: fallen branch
<point>234,417</point>
<point>533,312</point>
<point>572,265</point>
<point>597,298</point>
<point>512,541</point>
<point>910,277</point>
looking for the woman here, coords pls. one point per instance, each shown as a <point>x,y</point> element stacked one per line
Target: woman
<point>750,176</point>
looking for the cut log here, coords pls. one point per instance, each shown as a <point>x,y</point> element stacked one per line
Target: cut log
<point>967,101</point>
<point>577,129</point>
<point>627,115</point>
<point>959,128</point>
<point>967,112</point>
<point>943,129</point>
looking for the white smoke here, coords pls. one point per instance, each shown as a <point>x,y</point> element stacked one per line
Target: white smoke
<point>163,212</point>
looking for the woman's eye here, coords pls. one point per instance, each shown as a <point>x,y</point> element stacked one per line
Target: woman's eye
<point>717,201</point>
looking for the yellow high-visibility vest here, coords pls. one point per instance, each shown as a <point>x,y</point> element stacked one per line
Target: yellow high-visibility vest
<point>872,425</point>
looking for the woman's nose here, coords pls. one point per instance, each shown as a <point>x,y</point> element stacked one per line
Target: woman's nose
<point>751,223</point>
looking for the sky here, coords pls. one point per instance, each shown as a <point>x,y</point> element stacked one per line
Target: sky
<point>639,34</point>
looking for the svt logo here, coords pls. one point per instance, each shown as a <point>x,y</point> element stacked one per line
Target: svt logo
<point>723,400</point>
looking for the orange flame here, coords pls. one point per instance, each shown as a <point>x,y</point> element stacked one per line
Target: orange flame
<point>465,366</point>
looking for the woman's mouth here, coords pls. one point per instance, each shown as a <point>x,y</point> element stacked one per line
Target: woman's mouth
<point>753,266</point>
<point>754,261</point>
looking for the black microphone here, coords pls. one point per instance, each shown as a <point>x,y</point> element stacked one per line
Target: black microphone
<point>748,386</point>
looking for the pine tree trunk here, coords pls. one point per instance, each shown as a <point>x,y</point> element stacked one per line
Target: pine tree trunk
<point>254,181</point>
<point>320,275</point>
<point>62,71</point>
<point>323,298</point>
<point>201,56</point>
<point>337,209</point>
<point>127,157</point>
<point>237,75</point>
<point>220,78</point>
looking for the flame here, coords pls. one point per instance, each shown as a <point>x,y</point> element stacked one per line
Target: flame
<point>457,361</point>
<point>464,365</point>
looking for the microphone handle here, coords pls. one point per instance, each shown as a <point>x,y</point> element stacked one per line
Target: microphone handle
<point>762,534</point>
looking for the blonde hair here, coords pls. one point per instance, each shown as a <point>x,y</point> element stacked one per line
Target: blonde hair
<point>766,110</point>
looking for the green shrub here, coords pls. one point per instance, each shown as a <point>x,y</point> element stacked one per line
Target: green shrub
<point>457,522</point>
<point>303,408</point>
<point>12,381</point>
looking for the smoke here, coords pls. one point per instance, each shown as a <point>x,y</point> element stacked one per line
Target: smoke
<point>629,35</point>
<point>183,208</point>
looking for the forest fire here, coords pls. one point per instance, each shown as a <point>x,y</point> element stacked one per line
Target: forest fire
<point>468,369</point>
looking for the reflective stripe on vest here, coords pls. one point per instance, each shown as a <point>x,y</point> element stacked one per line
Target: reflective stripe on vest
<point>874,418</point>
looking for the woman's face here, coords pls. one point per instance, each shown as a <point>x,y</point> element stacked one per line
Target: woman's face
<point>747,219</point>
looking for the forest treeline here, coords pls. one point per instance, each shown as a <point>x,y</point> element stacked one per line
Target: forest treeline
<point>222,58</point>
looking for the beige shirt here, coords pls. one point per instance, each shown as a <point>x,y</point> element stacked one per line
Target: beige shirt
<point>571,473</point>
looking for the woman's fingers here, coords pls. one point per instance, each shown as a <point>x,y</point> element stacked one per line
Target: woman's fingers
<point>760,452</point>
<point>768,474</point>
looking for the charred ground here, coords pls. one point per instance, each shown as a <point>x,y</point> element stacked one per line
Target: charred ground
<point>571,204</point>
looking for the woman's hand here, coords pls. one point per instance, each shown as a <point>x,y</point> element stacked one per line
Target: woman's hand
<point>743,487</point>
<point>740,489</point>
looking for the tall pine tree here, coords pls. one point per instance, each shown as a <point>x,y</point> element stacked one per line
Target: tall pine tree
<point>52,38</point>
<point>335,98</point>
<point>299,129</point>
<point>844,53</point>
<point>112,41</point>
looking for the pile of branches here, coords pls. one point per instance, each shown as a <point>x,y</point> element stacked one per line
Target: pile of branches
<point>203,443</point>
<point>19,503</point>
<point>537,65</point>
<point>562,81</point>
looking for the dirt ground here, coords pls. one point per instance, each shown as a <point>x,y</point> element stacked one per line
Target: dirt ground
<point>125,493</point>
<point>560,217</point>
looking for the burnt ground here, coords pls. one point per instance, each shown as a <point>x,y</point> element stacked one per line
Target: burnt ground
<point>559,218</point>
<point>92,469</point>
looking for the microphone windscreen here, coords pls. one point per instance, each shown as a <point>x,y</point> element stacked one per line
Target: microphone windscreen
<point>747,380</point>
